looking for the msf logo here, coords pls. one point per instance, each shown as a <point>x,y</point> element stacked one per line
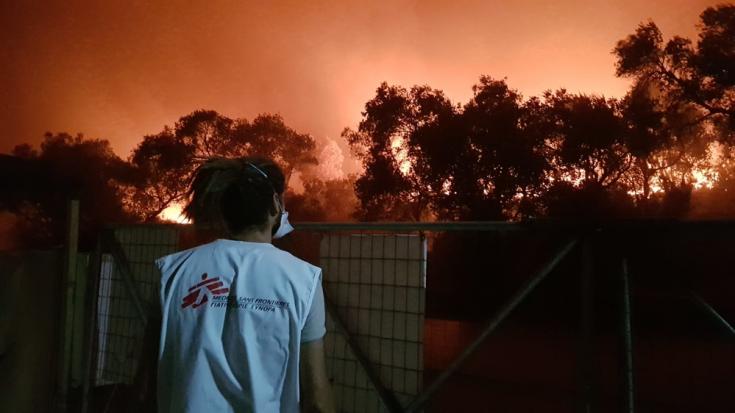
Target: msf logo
<point>213,286</point>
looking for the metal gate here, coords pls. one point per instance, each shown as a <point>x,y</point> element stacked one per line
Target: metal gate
<point>375,279</point>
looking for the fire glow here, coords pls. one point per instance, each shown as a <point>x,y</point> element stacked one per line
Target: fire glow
<point>174,213</point>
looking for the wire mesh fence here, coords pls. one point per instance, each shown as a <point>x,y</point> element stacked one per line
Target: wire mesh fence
<point>407,301</point>
<point>376,283</point>
<point>128,282</point>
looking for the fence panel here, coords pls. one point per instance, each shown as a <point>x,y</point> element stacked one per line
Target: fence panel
<point>376,282</point>
<point>129,252</point>
<point>387,342</point>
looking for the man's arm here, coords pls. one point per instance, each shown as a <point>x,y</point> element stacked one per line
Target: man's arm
<point>316,391</point>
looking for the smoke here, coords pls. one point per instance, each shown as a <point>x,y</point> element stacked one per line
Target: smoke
<point>331,161</point>
<point>296,183</point>
<point>324,192</point>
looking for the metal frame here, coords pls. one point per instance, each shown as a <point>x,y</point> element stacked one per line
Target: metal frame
<point>586,297</point>
<point>629,393</point>
<point>588,231</point>
<point>712,312</point>
<point>577,226</point>
<point>91,333</point>
<point>420,401</point>
<point>68,286</point>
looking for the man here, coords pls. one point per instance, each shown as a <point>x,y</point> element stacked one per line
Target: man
<point>242,321</point>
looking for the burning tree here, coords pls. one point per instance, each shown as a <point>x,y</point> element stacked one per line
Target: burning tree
<point>562,155</point>
<point>164,162</point>
<point>425,157</point>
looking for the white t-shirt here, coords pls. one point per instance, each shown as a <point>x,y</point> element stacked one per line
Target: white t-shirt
<point>234,314</point>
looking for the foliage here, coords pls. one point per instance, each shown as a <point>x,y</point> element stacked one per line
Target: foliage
<point>330,200</point>
<point>561,155</point>
<point>164,162</point>
<point>37,186</point>
<point>499,156</point>
<point>699,77</point>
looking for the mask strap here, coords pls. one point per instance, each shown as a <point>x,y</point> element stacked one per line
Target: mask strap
<point>281,207</point>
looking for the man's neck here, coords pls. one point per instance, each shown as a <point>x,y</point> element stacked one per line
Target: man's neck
<point>254,236</point>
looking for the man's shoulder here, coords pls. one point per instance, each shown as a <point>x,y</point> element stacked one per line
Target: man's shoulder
<point>292,261</point>
<point>167,260</point>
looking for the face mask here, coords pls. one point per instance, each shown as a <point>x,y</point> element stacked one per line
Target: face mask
<point>283,228</point>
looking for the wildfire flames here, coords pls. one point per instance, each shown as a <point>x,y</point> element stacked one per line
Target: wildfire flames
<point>174,213</point>
<point>332,159</point>
<point>400,153</point>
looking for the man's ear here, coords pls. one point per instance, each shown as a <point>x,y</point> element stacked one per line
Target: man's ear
<point>276,204</point>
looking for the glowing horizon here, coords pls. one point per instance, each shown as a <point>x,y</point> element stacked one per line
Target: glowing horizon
<point>136,67</point>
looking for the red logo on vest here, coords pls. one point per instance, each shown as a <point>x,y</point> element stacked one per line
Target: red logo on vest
<point>214,287</point>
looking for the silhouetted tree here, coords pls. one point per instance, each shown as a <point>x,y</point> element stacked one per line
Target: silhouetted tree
<point>499,156</point>
<point>700,77</point>
<point>37,186</point>
<point>164,162</point>
<point>566,155</point>
<point>588,139</point>
<point>383,189</point>
<point>425,157</point>
<point>681,103</point>
<point>330,200</point>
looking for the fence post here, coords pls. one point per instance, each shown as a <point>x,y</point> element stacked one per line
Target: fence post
<point>629,395</point>
<point>90,337</point>
<point>587,324</point>
<point>80,295</point>
<point>66,322</point>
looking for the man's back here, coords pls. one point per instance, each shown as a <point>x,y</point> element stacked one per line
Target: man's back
<point>232,319</point>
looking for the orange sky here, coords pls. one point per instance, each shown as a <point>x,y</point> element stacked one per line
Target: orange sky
<point>123,69</point>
